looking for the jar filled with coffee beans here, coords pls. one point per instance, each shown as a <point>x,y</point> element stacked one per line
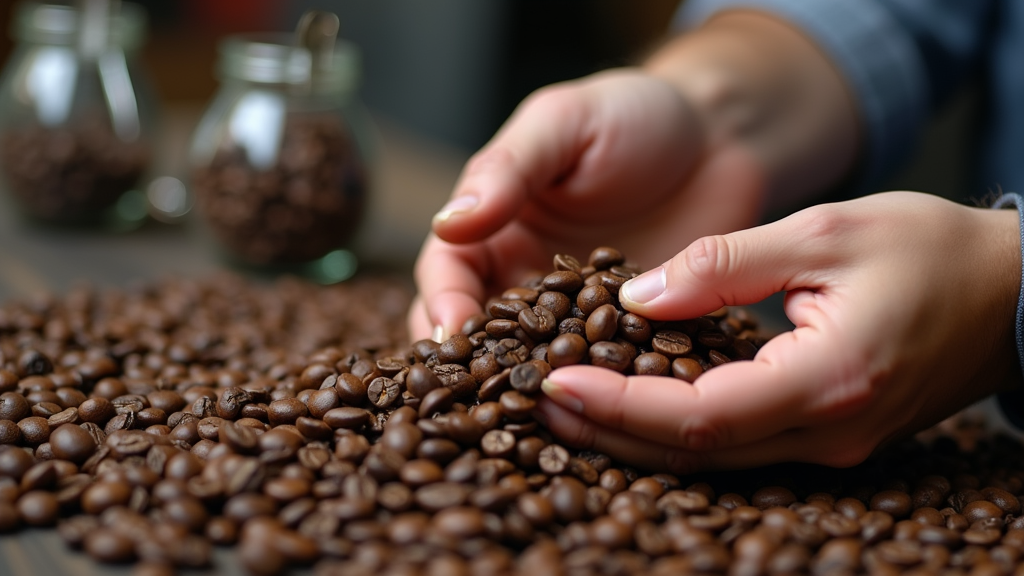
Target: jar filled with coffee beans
<point>279,161</point>
<point>76,115</point>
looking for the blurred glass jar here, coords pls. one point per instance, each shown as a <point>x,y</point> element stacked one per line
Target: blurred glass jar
<point>279,159</point>
<point>76,115</point>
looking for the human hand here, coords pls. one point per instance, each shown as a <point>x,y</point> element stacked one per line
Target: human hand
<point>617,158</point>
<point>903,306</point>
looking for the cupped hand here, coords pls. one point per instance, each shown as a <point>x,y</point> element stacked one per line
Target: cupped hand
<point>617,158</point>
<point>903,306</point>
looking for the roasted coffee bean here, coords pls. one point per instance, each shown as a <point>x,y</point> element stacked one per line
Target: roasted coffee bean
<point>894,502</point>
<point>383,392</point>
<point>13,406</point>
<point>507,309</point>
<point>73,443</point>
<point>38,508</point>
<point>602,323</point>
<point>610,355</point>
<point>686,369</point>
<point>527,377</point>
<point>539,323</point>
<point>671,343</point>
<point>651,364</point>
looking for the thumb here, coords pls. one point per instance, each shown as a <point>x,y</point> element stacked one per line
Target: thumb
<point>540,143</point>
<point>731,269</point>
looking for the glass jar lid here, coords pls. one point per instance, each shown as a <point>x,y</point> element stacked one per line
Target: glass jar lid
<point>60,25</point>
<point>273,59</point>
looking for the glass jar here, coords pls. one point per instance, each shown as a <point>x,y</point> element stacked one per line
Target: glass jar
<point>75,116</point>
<point>279,159</point>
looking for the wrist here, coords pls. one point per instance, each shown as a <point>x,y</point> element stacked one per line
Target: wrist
<point>757,83</point>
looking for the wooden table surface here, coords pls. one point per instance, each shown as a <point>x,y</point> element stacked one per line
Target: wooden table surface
<point>413,178</point>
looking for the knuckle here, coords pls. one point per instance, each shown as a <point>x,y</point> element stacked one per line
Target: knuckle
<point>553,99</point>
<point>699,434</point>
<point>709,257</point>
<point>487,158</point>
<point>823,222</point>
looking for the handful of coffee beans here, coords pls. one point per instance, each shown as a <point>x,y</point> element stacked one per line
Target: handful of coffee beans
<point>306,204</point>
<point>297,423</point>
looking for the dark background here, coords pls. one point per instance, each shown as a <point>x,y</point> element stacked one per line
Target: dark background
<point>450,69</point>
<point>453,70</point>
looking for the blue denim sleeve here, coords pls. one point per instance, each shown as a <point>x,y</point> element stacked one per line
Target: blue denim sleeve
<point>1012,403</point>
<point>900,58</point>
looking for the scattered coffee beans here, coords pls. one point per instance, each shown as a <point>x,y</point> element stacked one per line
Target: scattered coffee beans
<point>298,424</point>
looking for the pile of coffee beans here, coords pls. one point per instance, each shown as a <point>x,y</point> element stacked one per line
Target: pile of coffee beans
<point>307,203</point>
<point>297,424</point>
<point>72,173</point>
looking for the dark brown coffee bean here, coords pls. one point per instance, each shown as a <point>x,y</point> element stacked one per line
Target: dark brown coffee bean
<point>981,510</point>
<point>602,323</point>
<point>9,432</point>
<point>876,526</point>
<point>108,545</point>
<point>507,309</point>
<point>567,349</point>
<point>605,257</point>
<point>516,406</point>
<point>527,377</point>
<point>568,498</point>
<point>421,380</point>
<point>464,429</point>
<point>230,402</point>
<point>651,364</point>
<point>686,369</point>
<point>539,323</point>
<point>401,437</point>
<point>351,389</point>
<point>420,472</point>
<point>286,411</point>
<point>320,401</point>
<point>498,443</point>
<point>591,298</point>
<point>440,495</point>
<point>457,379</point>
<point>38,508</point>
<point>34,430</point>
<point>610,355</point>
<point>894,502</point>
<point>456,350</point>
<point>71,442</point>
<point>346,417</point>
<point>558,303</point>
<point>553,459</point>
<point>671,343</point>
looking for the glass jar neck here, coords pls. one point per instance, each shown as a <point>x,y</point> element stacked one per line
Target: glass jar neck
<point>60,25</point>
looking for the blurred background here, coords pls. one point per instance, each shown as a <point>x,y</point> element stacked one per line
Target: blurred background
<point>451,70</point>
<point>438,78</point>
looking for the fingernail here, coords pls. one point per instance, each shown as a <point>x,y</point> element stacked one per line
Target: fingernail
<point>459,205</point>
<point>561,396</point>
<point>438,335</point>
<point>645,287</point>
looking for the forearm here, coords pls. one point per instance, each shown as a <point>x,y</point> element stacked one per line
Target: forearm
<point>758,83</point>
